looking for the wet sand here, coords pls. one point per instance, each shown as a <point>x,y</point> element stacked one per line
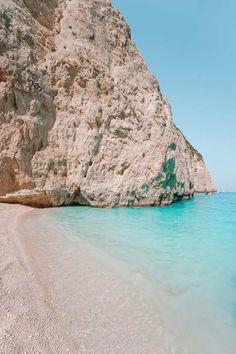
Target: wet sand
<point>55,298</point>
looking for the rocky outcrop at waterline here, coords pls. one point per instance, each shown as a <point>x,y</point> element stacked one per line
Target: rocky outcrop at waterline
<point>82,120</point>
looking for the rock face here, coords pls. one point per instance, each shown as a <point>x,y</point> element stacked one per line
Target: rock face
<point>82,120</point>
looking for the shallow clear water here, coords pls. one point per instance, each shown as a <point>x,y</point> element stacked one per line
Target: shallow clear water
<point>182,257</point>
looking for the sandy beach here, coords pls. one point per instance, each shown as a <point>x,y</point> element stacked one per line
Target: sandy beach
<point>28,323</point>
<point>55,298</point>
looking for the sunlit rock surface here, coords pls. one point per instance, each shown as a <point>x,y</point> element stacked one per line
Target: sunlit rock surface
<point>82,120</point>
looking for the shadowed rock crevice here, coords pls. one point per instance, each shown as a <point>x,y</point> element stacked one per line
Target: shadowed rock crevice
<point>43,11</point>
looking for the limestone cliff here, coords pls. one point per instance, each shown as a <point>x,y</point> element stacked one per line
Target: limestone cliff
<point>82,120</point>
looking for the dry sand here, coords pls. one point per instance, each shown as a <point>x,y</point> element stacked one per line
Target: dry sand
<point>55,298</point>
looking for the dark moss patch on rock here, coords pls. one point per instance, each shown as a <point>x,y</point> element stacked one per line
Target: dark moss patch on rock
<point>191,185</point>
<point>176,197</point>
<point>170,181</point>
<point>130,193</point>
<point>168,168</point>
<point>145,187</point>
<point>158,179</point>
<point>172,146</point>
<point>163,196</point>
<point>180,184</point>
<point>169,165</point>
<point>130,202</point>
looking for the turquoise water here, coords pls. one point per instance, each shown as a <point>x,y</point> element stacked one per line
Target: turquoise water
<point>182,257</point>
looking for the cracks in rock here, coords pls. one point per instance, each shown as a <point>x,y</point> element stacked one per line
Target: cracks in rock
<point>94,154</point>
<point>14,100</point>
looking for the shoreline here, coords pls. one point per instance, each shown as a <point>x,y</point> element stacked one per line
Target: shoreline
<point>57,299</point>
<point>35,199</point>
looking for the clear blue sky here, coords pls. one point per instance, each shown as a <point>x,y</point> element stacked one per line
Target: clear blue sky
<point>190,46</point>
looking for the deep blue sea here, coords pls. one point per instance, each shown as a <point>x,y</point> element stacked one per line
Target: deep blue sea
<point>182,256</point>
